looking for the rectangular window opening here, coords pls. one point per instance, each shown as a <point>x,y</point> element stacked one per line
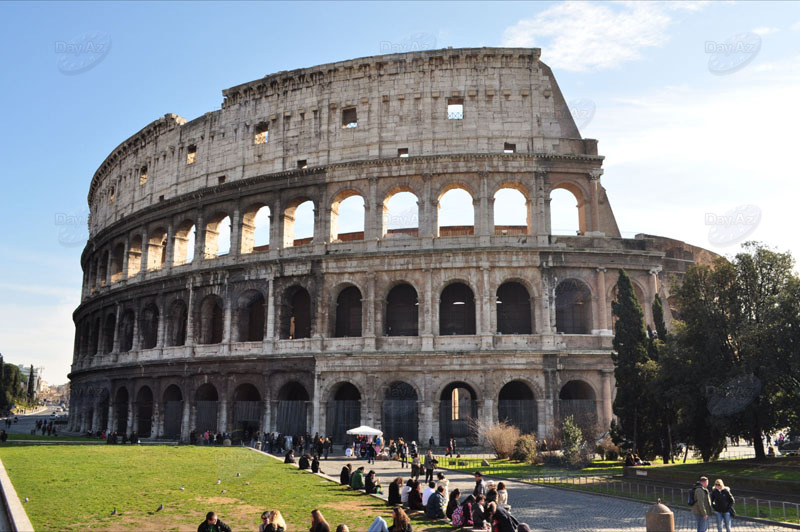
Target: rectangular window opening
<point>221,180</point>
<point>302,163</point>
<point>349,118</point>
<point>455,108</point>
<point>509,148</point>
<point>262,134</point>
<point>402,152</point>
<point>143,176</point>
<point>191,154</point>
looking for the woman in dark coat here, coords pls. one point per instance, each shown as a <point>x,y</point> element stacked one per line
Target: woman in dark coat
<point>344,476</point>
<point>452,504</point>
<point>394,492</point>
<point>371,485</point>
<point>415,498</point>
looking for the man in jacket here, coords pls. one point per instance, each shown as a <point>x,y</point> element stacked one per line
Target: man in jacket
<point>702,504</point>
<point>435,507</point>
<point>430,465</point>
<point>212,524</point>
<point>357,480</point>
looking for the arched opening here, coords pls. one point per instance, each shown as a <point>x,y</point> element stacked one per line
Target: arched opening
<point>251,316</point>
<point>511,212</point>
<point>343,411</point>
<point>347,217</point>
<point>126,331</point>
<point>157,249</point>
<point>211,320</point>
<point>121,405</point>
<point>292,409</point>
<point>109,328</point>
<point>148,326</point>
<point>144,412</point>
<point>92,274</point>
<point>176,326</point>
<point>513,309</point>
<point>298,223</point>
<point>457,310</point>
<point>401,214</point>
<point>402,311</point>
<point>218,236</point>
<point>517,406</point>
<point>206,402</point>
<point>458,410</point>
<point>296,315</point>
<point>577,399</point>
<point>400,412</point>
<point>184,243</point>
<point>135,256</point>
<point>102,268</point>
<point>566,212</point>
<point>573,307</point>
<point>456,213</point>
<point>173,412</point>
<point>348,313</point>
<point>255,228</point>
<point>117,260</point>
<point>94,339</point>
<point>247,409</point>
<point>102,410</point>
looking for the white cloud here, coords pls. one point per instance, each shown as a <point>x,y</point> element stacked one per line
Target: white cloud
<point>765,30</point>
<point>590,36</point>
<point>795,26</point>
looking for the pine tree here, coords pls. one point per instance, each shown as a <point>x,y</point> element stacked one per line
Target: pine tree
<point>658,319</point>
<point>31,385</point>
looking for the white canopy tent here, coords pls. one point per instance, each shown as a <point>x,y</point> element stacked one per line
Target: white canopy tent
<point>364,430</point>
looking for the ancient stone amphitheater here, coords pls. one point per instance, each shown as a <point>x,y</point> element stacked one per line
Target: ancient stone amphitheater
<point>406,324</point>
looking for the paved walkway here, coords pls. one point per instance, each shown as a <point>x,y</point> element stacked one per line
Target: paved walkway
<point>548,508</point>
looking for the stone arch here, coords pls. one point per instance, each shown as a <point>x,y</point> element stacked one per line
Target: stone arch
<point>177,321</point>
<point>109,328</point>
<point>511,204</point>
<point>564,214</point>
<point>578,398</point>
<point>103,402</point>
<point>126,326</point>
<point>400,412</point>
<point>251,315</point>
<point>348,312</point>
<point>172,408</point>
<point>206,400</point>
<point>212,320</point>
<point>255,228</point>
<point>457,309</point>
<point>573,307</point>
<point>455,203</point>
<point>183,243</point>
<point>217,235</point>
<point>296,313</point>
<point>144,412</point>
<point>402,310</point>
<point>401,218</point>
<point>292,411</point>
<point>148,326</point>
<point>117,261</point>
<point>135,255</point>
<point>343,410</point>
<point>102,268</point>
<point>247,410</point>
<point>516,405</point>
<point>157,248</point>
<point>121,405</point>
<point>94,336</point>
<point>458,413</point>
<point>514,309</point>
<point>352,203</point>
<point>290,219</point>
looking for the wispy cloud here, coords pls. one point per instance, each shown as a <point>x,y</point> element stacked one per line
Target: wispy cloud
<point>592,36</point>
<point>766,30</point>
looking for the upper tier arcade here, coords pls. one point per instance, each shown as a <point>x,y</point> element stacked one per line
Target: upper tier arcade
<point>420,104</point>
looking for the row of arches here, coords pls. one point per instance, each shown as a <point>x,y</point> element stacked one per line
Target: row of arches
<point>344,408</point>
<point>456,207</point>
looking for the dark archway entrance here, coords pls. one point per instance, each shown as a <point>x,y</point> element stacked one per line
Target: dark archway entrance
<point>458,410</point>
<point>517,406</point>
<point>172,412</point>
<point>292,411</point>
<point>457,310</point>
<point>348,313</point>
<point>343,412</point>
<point>577,399</point>
<point>296,315</point>
<point>573,307</point>
<point>102,410</point>
<point>144,412</point>
<point>400,412</point>
<point>513,309</point>
<point>402,311</point>
<point>206,402</point>
<point>247,408</point>
<point>121,408</point>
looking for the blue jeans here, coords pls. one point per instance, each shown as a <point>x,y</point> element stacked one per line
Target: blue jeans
<point>723,518</point>
<point>702,523</point>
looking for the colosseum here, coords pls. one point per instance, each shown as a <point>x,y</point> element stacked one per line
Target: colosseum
<point>203,308</point>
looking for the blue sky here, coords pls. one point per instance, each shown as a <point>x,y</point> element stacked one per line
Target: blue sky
<point>688,135</point>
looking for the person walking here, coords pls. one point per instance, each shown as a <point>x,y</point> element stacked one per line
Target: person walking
<point>701,509</point>
<point>722,502</point>
<point>430,465</point>
<point>402,450</point>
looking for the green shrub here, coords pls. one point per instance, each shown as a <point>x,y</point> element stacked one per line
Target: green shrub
<point>577,453</point>
<point>526,449</point>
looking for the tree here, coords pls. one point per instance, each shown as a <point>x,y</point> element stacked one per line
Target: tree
<point>658,319</point>
<point>31,384</point>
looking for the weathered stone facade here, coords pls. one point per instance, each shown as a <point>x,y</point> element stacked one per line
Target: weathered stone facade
<point>375,327</point>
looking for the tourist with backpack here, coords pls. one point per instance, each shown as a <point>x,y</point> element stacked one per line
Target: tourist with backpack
<point>722,503</point>
<point>700,501</point>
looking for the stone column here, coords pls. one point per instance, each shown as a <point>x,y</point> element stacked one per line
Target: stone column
<point>187,420</point>
<point>540,226</point>
<point>236,231</point>
<point>95,418</point>
<point>227,314</point>
<point>222,414</point>
<point>131,414</point>
<point>485,329</point>
<point>270,334</point>
<point>607,406</point>
<point>162,323</point>
<point>110,414</point>
<point>136,340</point>
<point>169,251</point>
<point>190,339</point>
<point>602,305</point>
<point>267,414</point>
<point>315,406</point>
<point>484,208</point>
<point>373,213</point>
<point>155,419</point>
<point>125,254</point>
<point>199,239</point>
<point>594,190</point>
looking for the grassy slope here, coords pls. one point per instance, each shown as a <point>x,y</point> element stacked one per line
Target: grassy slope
<point>75,488</point>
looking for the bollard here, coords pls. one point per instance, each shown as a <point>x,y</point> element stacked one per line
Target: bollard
<point>659,518</point>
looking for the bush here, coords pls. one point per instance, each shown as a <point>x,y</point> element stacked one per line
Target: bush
<point>607,449</point>
<point>577,453</point>
<point>526,449</point>
<point>501,437</point>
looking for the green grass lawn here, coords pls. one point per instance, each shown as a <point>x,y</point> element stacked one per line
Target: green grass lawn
<point>77,487</point>
<point>774,469</point>
<point>511,469</point>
